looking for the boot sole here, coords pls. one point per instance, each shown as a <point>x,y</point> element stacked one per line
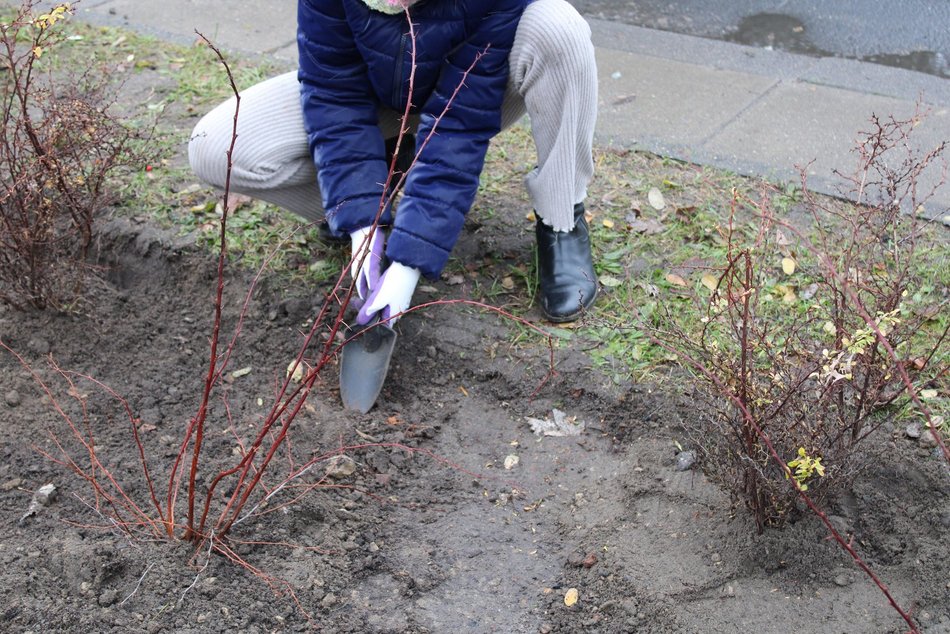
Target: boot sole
<point>563,319</point>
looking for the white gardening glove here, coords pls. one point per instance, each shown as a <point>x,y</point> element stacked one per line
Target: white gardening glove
<point>366,270</point>
<point>391,296</point>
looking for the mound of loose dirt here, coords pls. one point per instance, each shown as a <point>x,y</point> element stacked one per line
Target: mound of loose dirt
<point>431,532</point>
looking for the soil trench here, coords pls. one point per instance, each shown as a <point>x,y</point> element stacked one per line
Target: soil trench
<point>456,517</point>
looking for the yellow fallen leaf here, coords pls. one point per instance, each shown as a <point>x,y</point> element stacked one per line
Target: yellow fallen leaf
<point>710,281</point>
<point>928,394</point>
<point>507,283</point>
<point>237,374</point>
<point>788,265</point>
<point>295,373</point>
<point>673,278</point>
<point>571,597</point>
<point>530,216</point>
<point>608,223</point>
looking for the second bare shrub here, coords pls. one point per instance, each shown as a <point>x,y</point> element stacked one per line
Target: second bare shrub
<point>59,145</point>
<point>809,328</point>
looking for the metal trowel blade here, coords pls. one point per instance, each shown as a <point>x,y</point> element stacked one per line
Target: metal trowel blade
<point>364,363</point>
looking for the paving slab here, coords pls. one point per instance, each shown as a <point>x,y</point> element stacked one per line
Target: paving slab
<point>800,125</point>
<point>668,106</point>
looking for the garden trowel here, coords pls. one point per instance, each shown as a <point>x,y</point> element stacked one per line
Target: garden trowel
<point>364,362</point>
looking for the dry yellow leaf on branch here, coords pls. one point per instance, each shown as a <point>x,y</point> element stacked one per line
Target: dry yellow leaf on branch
<point>571,597</point>
<point>788,265</point>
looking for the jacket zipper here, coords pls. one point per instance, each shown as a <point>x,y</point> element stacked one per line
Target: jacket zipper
<point>398,72</point>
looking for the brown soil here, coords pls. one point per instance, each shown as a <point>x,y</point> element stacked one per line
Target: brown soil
<point>439,540</point>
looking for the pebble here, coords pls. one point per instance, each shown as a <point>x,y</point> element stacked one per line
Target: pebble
<point>45,494</point>
<point>729,590</point>
<point>108,597</point>
<point>685,460</point>
<point>927,439</point>
<point>341,467</point>
<point>9,485</point>
<point>843,580</point>
<point>12,398</point>
<point>715,558</point>
<point>913,430</point>
<point>38,346</point>
<point>329,600</point>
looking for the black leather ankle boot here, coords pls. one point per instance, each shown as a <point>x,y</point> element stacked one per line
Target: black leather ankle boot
<point>566,269</point>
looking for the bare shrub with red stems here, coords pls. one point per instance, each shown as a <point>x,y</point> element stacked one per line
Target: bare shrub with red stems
<point>59,147</point>
<point>814,333</point>
<point>145,503</point>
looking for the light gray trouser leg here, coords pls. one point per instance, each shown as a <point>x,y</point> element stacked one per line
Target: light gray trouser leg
<point>553,78</point>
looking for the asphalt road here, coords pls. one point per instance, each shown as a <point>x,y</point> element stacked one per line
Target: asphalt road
<point>912,34</point>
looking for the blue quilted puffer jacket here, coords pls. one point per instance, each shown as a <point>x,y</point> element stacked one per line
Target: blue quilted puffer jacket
<point>354,59</point>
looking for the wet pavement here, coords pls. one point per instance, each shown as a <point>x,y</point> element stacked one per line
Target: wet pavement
<point>912,34</point>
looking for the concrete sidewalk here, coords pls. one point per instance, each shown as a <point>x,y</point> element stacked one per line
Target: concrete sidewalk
<point>753,111</point>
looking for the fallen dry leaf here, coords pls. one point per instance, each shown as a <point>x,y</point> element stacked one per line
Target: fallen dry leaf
<point>571,597</point>
<point>295,371</point>
<point>788,265</point>
<point>673,278</point>
<point>646,226</point>
<point>507,283</point>
<point>656,199</point>
<point>710,281</point>
<point>607,223</point>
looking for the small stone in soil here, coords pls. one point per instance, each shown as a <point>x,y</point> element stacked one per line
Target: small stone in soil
<point>341,467</point>
<point>12,398</point>
<point>927,439</point>
<point>685,460</point>
<point>9,485</point>
<point>913,430</point>
<point>45,494</point>
<point>38,346</point>
<point>329,600</point>
<point>843,579</point>
<point>108,597</point>
<point>715,558</point>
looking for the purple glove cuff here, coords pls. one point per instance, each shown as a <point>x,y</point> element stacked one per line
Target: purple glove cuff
<point>363,317</point>
<point>373,267</point>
